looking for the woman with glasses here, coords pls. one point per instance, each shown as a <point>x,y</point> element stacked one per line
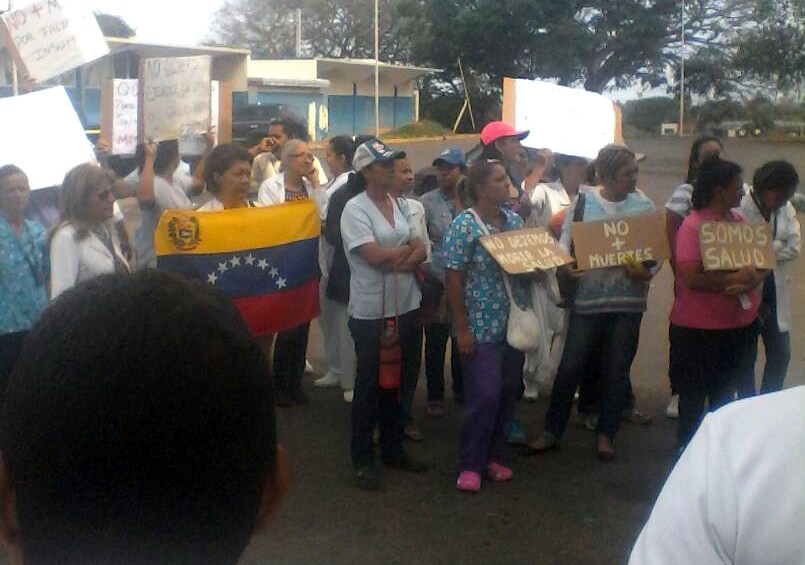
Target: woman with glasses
<point>86,243</point>
<point>298,181</point>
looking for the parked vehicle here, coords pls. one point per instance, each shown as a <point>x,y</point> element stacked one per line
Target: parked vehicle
<point>249,121</point>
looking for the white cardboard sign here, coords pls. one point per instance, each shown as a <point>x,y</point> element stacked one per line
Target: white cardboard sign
<point>175,98</point>
<point>50,37</point>
<point>119,121</point>
<point>21,142</point>
<point>565,120</point>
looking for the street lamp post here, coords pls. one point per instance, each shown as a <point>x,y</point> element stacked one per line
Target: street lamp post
<point>377,69</point>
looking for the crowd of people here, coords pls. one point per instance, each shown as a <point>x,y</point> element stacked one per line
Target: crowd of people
<point>403,271</point>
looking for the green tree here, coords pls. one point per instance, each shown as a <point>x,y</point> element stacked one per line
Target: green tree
<point>330,28</point>
<point>647,114</point>
<point>773,49</point>
<point>114,26</point>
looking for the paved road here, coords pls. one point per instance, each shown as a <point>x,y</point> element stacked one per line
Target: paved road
<point>561,508</point>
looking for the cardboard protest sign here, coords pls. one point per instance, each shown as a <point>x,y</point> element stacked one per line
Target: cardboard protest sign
<point>610,243</point>
<point>22,145</point>
<point>566,120</point>
<point>524,251</point>
<point>729,246</point>
<point>119,115</point>
<point>175,96</point>
<point>50,37</point>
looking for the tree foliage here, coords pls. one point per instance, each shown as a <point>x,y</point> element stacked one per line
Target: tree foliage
<point>114,26</point>
<point>773,49</point>
<point>330,28</point>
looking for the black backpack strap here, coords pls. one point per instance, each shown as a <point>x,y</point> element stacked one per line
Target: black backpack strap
<point>578,216</point>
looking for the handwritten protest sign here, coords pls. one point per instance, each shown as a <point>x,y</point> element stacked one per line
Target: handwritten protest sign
<point>21,144</point>
<point>611,243</point>
<point>566,120</point>
<point>729,246</point>
<point>50,37</point>
<point>524,251</point>
<point>119,115</point>
<point>175,99</point>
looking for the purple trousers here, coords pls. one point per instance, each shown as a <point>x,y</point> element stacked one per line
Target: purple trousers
<point>492,377</point>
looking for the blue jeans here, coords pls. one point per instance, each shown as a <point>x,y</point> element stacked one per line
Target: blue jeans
<point>613,336</point>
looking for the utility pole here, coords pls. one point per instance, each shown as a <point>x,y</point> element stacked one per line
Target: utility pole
<point>298,49</point>
<point>377,68</point>
<point>682,79</point>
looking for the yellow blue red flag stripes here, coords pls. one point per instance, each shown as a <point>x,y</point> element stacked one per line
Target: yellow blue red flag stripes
<point>264,259</point>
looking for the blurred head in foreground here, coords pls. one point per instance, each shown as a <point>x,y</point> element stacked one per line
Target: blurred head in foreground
<point>138,427</point>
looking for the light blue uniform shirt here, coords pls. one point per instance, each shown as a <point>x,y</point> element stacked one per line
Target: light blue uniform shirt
<point>24,272</point>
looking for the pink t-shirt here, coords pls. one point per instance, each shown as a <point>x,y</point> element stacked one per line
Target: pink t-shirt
<point>706,310</point>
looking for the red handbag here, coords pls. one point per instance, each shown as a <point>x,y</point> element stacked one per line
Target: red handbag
<point>389,373</point>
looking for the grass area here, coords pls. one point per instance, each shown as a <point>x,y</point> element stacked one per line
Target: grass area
<point>424,128</point>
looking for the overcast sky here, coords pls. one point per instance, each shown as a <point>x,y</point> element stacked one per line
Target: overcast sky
<point>164,21</point>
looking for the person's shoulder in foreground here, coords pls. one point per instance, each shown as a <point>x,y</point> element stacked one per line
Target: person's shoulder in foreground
<point>737,494</point>
<point>138,427</point>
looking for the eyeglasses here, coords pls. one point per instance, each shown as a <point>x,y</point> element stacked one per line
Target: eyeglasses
<point>103,194</point>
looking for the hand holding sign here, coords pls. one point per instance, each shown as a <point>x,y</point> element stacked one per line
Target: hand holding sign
<point>730,246</point>
<point>631,240</point>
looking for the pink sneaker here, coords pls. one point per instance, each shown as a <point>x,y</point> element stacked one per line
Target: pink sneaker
<point>498,472</point>
<point>469,481</point>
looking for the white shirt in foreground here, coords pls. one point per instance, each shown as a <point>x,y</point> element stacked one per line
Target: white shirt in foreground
<point>737,495</point>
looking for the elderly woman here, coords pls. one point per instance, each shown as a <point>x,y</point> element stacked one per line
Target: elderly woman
<point>712,320</point>
<point>86,243</point>
<point>477,292</point>
<point>24,266</point>
<point>383,251</point>
<point>298,181</point>
<point>607,311</point>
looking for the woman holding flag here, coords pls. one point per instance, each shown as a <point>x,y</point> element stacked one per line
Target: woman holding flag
<point>383,251</point>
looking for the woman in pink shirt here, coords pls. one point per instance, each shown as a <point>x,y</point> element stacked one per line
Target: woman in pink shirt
<point>712,320</point>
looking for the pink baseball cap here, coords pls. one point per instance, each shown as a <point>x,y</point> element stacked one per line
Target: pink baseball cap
<point>495,130</point>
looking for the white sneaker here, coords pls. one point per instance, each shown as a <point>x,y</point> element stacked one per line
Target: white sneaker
<point>327,381</point>
<point>672,410</point>
<point>348,394</point>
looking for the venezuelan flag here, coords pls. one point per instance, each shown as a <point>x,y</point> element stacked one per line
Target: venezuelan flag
<point>264,259</point>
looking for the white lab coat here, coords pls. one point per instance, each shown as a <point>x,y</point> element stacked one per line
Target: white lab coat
<point>787,247</point>
<point>737,495</point>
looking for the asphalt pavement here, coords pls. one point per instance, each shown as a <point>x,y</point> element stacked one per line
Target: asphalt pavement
<point>563,507</point>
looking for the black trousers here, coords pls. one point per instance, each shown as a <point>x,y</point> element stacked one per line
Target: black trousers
<point>372,405</point>
<point>436,336</point>
<point>290,349</point>
<point>708,365</point>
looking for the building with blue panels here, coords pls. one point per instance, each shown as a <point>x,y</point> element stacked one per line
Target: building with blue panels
<point>335,96</point>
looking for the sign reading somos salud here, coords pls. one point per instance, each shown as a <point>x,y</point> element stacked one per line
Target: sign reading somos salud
<point>50,37</point>
<point>628,240</point>
<point>524,251</point>
<point>119,115</point>
<point>729,246</point>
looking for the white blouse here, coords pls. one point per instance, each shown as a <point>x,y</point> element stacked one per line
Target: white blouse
<point>73,261</point>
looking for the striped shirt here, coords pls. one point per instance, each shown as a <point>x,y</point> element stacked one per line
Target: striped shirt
<point>681,201</point>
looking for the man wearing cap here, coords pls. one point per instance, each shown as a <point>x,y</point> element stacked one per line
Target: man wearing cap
<point>441,206</point>
<point>383,251</point>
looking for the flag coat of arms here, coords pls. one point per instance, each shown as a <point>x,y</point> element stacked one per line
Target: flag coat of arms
<point>264,259</point>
